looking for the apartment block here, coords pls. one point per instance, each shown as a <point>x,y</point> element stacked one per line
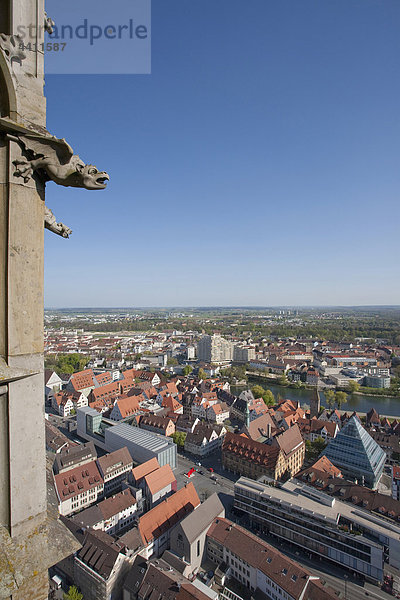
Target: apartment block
<point>214,349</point>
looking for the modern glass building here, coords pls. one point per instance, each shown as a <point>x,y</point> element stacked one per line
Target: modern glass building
<point>356,454</point>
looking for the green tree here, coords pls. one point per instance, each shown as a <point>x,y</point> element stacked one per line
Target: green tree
<point>179,438</point>
<point>318,445</point>
<point>309,451</point>
<point>298,385</point>
<point>314,449</point>
<point>202,374</point>
<point>66,363</point>
<point>354,386</point>
<point>234,373</point>
<point>172,361</point>
<point>330,398</point>
<point>340,398</point>
<point>187,370</point>
<point>258,391</point>
<point>268,398</point>
<point>73,594</point>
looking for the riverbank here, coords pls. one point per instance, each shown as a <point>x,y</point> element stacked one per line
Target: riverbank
<point>304,386</point>
<point>384,405</point>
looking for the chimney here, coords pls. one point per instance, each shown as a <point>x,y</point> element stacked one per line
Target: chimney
<point>269,430</point>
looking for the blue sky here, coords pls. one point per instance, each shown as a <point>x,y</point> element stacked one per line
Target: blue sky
<point>257,165</point>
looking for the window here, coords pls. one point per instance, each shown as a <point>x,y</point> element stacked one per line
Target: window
<point>198,547</point>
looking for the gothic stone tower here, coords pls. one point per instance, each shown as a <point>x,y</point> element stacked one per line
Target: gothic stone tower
<point>31,537</point>
<point>315,404</point>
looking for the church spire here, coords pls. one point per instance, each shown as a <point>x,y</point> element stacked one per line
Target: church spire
<point>247,414</point>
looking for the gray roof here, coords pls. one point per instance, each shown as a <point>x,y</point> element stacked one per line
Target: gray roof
<point>176,562</point>
<point>100,552</point>
<point>88,517</point>
<point>75,454</point>
<point>201,518</point>
<point>141,437</point>
<point>114,460</point>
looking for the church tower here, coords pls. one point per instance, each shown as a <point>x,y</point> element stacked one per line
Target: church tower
<point>31,537</point>
<point>315,404</point>
<point>247,414</point>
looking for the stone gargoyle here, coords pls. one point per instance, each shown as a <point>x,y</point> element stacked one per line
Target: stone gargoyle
<point>50,222</point>
<point>54,160</point>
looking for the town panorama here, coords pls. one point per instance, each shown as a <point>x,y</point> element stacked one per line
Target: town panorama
<point>230,452</point>
<point>229,427</point>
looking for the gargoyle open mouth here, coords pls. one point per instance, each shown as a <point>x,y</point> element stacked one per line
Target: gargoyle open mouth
<point>101,181</point>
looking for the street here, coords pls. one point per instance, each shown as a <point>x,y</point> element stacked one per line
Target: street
<point>205,482</point>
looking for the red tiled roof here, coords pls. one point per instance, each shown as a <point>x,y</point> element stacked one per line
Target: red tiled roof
<point>171,403</point>
<point>144,469</point>
<point>62,398</point>
<point>109,391</point>
<point>169,512</point>
<point>128,405</point>
<point>323,465</point>
<point>249,450</point>
<point>82,379</point>
<point>77,480</point>
<point>155,421</point>
<point>286,573</point>
<point>112,506</point>
<point>159,479</point>
<point>114,460</point>
<point>103,378</point>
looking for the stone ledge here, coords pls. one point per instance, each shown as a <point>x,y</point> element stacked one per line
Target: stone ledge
<point>25,559</point>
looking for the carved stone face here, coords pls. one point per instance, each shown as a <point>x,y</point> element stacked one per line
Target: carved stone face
<point>91,178</point>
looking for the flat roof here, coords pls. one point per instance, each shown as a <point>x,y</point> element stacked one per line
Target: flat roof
<point>293,495</point>
<point>140,437</point>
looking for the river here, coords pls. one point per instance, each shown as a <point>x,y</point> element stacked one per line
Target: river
<point>384,405</point>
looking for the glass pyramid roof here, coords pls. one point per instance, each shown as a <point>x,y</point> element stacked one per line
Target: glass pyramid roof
<point>355,452</point>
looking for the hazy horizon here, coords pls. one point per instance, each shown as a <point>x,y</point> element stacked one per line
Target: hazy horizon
<point>232,306</point>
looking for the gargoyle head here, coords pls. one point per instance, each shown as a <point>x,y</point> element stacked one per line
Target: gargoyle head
<point>91,178</point>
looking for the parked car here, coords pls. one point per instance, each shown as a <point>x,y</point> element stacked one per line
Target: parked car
<point>210,469</point>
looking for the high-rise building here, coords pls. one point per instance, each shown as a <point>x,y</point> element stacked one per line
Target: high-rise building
<point>357,454</point>
<point>214,349</point>
<point>243,354</point>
